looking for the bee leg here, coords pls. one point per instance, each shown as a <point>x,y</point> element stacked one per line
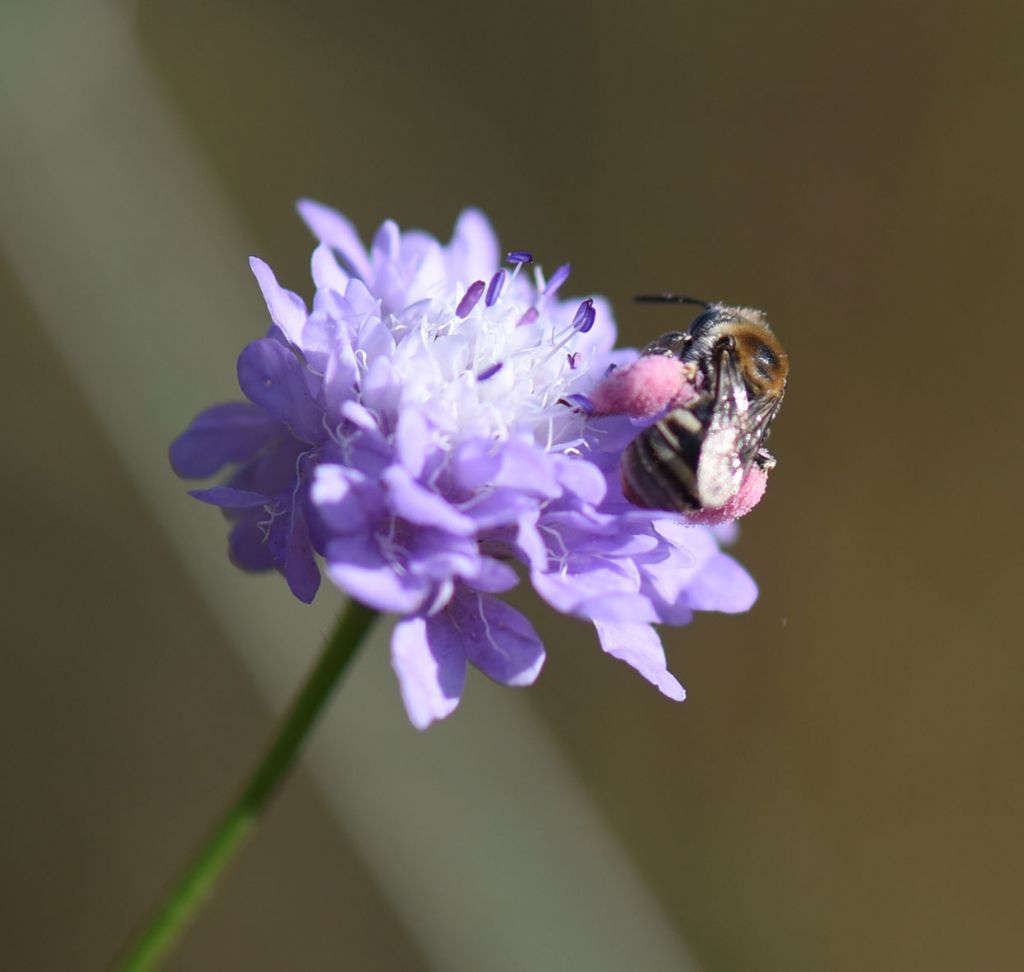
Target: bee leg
<point>673,344</point>
<point>765,459</point>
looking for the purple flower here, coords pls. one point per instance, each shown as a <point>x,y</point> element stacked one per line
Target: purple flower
<point>418,431</point>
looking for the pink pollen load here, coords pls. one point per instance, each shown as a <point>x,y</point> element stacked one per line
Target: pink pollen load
<point>749,495</point>
<point>651,384</point>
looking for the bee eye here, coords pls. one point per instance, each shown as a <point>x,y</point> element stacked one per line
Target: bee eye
<point>766,360</point>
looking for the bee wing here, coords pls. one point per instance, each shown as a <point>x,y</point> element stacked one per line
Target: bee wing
<point>736,430</point>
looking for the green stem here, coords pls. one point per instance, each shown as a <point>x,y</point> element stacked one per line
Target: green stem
<point>187,895</point>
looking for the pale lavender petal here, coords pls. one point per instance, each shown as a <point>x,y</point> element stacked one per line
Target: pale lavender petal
<point>583,479</point>
<point>326,271</point>
<point>357,566</point>
<point>273,378</point>
<point>595,588</point>
<point>359,298</point>
<point>638,645</point>
<point>531,543</point>
<point>476,463</point>
<point>387,243</point>
<point>412,439</point>
<point>287,310</point>
<point>438,555</point>
<point>431,669</point>
<point>524,466</point>
<point>425,261</point>
<point>499,507</point>
<point>473,252</point>
<point>417,504</point>
<point>722,585</point>
<point>493,576</point>
<point>496,638</point>
<point>344,500</point>
<point>330,227</point>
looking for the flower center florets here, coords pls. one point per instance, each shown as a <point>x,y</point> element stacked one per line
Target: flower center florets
<point>493,359</point>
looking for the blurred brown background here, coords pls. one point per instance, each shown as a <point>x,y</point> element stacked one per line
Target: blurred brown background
<point>843,788</point>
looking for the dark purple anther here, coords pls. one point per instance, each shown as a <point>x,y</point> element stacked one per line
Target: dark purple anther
<point>580,402</point>
<point>574,360</point>
<point>528,317</point>
<point>490,372</point>
<point>558,278</point>
<point>470,298</point>
<point>519,256</point>
<point>585,314</point>
<point>494,288</point>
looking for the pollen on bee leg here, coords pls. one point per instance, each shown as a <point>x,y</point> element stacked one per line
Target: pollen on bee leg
<point>747,497</point>
<point>651,384</point>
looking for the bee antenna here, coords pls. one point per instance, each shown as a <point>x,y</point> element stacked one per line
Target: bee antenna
<point>670,299</point>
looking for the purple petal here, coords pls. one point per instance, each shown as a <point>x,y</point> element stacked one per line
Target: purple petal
<point>229,433</point>
<point>638,645</point>
<point>247,543</point>
<point>431,669</point>
<point>496,638</point>
<point>232,499</point>
<point>272,377</point>
<point>356,565</point>
<point>330,227</point>
<point>287,310</point>
<point>415,503</point>
<point>300,569</point>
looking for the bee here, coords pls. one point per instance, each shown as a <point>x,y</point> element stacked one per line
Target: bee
<point>697,455</point>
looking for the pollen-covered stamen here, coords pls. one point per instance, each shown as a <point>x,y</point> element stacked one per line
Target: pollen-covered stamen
<point>470,299</point>
<point>491,371</point>
<point>519,257</point>
<point>529,316</point>
<point>573,360</point>
<point>494,288</point>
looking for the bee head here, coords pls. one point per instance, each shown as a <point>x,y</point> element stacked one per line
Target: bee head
<point>744,333</point>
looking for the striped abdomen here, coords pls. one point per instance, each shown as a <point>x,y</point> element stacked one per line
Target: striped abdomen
<point>659,467</point>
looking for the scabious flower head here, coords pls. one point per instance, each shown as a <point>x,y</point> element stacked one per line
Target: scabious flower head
<point>427,424</point>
